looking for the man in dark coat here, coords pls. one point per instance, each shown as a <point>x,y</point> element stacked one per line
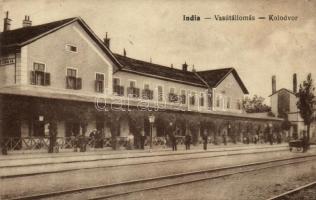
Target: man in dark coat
<point>173,139</point>
<point>52,137</point>
<point>204,138</point>
<point>187,141</point>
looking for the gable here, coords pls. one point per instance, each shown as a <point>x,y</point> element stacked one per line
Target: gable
<point>87,60</point>
<point>230,85</point>
<point>13,39</point>
<point>215,77</point>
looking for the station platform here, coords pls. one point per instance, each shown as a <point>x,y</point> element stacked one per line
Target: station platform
<point>118,152</point>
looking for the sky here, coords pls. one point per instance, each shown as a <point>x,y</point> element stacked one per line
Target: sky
<point>155,29</point>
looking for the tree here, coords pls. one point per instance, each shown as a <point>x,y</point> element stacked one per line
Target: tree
<point>305,102</point>
<point>255,105</point>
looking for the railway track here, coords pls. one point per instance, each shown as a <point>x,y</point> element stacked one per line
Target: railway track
<point>287,195</point>
<point>125,164</point>
<point>141,185</point>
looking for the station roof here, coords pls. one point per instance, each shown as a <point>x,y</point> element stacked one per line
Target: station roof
<point>14,39</point>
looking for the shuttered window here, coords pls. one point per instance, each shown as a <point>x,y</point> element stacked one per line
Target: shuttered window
<point>99,82</point>
<point>72,81</point>
<point>160,93</point>
<point>39,76</point>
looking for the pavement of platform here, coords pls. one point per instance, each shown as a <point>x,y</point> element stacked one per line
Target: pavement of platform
<point>181,148</point>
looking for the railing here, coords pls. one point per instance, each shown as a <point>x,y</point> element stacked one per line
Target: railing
<point>40,143</point>
<point>36,143</point>
<point>134,92</point>
<point>118,90</point>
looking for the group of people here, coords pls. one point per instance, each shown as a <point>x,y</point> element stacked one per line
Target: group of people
<point>173,140</point>
<point>96,138</point>
<point>79,142</point>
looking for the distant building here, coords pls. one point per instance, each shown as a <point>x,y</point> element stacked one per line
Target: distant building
<point>284,104</point>
<point>56,72</point>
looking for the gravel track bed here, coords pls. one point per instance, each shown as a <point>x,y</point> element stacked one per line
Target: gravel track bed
<point>305,194</point>
<point>84,178</point>
<point>259,185</point>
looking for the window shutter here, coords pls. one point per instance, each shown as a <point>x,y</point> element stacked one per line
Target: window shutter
<point>100,86</point>
<point>78,84</point>
<point>46,78</point>
<point>33,77</point>
<point>96,84</point>
<point>67,82</point>
<point>137,92</point>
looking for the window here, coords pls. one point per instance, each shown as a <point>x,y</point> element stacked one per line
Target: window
<point>147,93</point>
<point>71,72</point>
<point>173,97</point>
<point>132,91</point>
<point>39,67</point>
<point>201,99</point>
<point>172,90</point>
<point>117,88</point>
<point>183,97</point>
<point>192,99</point>
<point>218,101</point>
<point>99,82</point>
<point>210,100</point>
<point>132,84</point>
<point>228,103</point>
<point>116,81</point>
<point>38,75</point>
<point>72,81</point>
<point>160,93</point>
<point>71,48</point>
<point>239,104</point>
<point>146,86</point>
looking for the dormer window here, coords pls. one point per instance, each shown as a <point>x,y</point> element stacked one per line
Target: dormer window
<point>71,48</point>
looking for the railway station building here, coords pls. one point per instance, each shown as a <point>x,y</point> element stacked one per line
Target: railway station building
<point>61,75</point>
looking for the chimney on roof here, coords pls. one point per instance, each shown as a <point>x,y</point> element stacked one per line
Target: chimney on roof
<point>273,84</point>
<point>26,22</point>
<point>106,40</point>
<point>6,22</point>
<point>171,65</point>
<point>185,66</point>
<point>193,69</point>
<point>294,83</point>
<point>124,52</point>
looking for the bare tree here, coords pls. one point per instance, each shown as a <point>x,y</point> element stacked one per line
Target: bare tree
<point>305,102</point>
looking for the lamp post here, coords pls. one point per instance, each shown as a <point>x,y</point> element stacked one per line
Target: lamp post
<point>151,121</point>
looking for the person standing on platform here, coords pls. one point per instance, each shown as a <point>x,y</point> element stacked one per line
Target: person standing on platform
<point>187,141</point>
<point>102,137</point>
<point>204,138</point>
<point>173,141</point>
<point>224,138</point>
<point>142,139</point>
<point>270,138</point>
<point>52,138</point>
